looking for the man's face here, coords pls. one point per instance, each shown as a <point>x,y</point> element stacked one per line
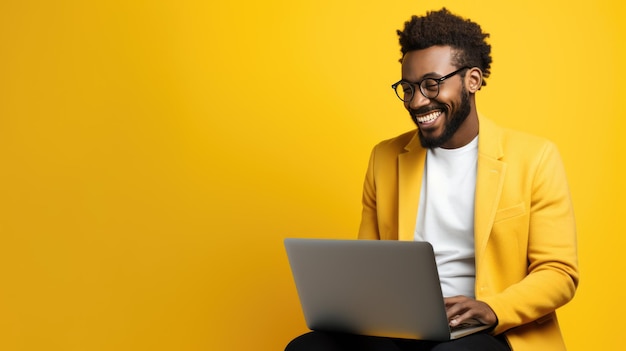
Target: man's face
<point>437,119</point>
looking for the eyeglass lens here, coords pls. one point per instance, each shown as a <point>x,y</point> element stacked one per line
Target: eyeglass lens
<point>428,87</point>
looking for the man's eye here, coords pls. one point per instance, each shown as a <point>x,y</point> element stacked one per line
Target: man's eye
<point>430,86</point>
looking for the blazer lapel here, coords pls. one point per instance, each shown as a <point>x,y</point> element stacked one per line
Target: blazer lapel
<point>410,171</point>
<point>489,183</point>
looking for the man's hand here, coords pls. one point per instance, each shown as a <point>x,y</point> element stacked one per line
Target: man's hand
<point>461,308</point>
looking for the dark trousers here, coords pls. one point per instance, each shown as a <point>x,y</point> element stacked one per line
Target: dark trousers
<point>323,341</point>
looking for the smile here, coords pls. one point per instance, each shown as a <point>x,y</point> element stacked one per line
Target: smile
<point>428,117</point>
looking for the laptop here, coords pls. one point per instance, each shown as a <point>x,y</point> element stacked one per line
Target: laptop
<point>371,287</point>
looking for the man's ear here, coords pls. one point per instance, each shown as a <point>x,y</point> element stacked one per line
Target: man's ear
<point>474,79</point>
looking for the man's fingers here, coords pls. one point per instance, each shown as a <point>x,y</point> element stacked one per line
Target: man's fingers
<point>454,321</point>
<point>459,309</point>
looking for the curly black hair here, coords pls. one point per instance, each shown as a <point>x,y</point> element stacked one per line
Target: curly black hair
<point>447,29</point>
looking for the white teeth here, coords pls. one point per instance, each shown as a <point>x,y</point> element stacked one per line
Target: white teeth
<point>429,117</point>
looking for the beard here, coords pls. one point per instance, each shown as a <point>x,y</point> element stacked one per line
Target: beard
<point>451,125</point>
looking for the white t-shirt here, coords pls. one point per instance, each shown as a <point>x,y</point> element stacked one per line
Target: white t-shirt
<point>446,215</point>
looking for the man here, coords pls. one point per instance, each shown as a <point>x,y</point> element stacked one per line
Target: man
<point>494,203</point>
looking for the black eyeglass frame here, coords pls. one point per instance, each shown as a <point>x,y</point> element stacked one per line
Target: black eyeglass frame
<point>438,81</point>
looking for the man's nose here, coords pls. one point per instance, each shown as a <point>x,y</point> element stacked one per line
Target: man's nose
<point>419,100</point>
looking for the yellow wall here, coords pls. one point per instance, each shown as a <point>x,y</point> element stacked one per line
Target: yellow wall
<point>154,154</point>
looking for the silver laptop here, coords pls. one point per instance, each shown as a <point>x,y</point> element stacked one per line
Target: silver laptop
<point>371,287</point>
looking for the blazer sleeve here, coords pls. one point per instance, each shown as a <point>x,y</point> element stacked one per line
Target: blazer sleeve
<point>369,218</point>
<point>552,267</point>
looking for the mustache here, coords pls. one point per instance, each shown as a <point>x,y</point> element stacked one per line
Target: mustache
<point>426,109</point>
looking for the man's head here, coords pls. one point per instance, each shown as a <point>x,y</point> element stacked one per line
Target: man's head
<point>453,53</point>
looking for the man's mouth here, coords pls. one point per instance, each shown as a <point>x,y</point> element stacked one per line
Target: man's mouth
<point>428,118</point>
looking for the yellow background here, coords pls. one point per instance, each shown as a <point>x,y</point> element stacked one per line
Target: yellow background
<point>154,154</point>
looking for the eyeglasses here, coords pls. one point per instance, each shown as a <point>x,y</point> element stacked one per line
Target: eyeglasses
<point>429,87</point>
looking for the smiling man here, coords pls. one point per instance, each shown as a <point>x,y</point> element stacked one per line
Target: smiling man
<point>445,117</point>
<point>494,203</point>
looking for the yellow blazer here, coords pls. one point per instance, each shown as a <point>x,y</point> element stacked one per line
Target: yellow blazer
<point>524,229</point>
